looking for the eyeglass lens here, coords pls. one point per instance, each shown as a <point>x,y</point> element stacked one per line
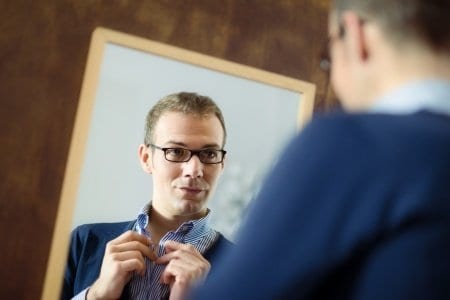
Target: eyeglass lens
<point>207,156</point>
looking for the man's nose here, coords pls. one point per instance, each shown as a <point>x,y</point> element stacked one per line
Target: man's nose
<point>193,167</point>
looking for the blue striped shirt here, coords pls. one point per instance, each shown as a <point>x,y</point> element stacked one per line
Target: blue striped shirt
<point>195,232</point>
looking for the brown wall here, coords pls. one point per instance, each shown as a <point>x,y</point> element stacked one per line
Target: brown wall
<point>43,51</point>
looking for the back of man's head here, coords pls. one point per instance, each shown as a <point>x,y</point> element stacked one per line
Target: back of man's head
<point>405,21</point>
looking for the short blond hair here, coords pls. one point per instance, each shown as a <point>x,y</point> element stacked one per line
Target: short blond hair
<point>184,102</point>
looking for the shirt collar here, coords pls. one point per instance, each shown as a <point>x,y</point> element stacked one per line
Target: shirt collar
<point>193,230</point>
<point>431,94</point>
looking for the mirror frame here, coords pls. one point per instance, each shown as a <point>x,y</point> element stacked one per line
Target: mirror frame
<point>100,38</point>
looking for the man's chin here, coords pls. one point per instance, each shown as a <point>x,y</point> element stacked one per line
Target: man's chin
<point>190,207</point>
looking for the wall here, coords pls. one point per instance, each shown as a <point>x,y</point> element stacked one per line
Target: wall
<point>43,51</point>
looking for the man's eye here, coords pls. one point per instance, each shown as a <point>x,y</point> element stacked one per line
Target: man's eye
<point>175,152</point>
<point>209,154</point>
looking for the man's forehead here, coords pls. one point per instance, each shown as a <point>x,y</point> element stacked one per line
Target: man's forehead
<point>177,126</point>
<point>187,117</point>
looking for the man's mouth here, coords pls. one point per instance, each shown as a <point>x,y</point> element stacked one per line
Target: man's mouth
<point>191,189</point>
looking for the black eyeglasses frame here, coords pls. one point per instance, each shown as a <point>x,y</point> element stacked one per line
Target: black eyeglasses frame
<point>191,152</point>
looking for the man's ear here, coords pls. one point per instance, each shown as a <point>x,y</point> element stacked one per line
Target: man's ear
<point>223,162</point>
<point>145,158</point>
<point>355,34</point>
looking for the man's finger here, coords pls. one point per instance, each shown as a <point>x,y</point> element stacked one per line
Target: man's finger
<point>170,246</point>
<point>131,240</point>
<point>129,236</point>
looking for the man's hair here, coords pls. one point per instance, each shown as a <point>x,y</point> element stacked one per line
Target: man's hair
<point>187,103</point>
<point>425,21</point>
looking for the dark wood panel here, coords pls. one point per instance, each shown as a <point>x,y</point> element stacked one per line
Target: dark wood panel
<point>43,50</point>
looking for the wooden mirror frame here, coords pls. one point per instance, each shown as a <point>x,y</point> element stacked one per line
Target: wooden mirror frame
<point>100,38</point>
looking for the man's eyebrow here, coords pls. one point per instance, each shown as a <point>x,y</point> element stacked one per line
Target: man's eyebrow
<point>181,144</point>
<point>175,143</point>
<point>208,146</point>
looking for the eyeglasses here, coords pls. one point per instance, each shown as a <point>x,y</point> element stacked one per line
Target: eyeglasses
<point>325,58</point>
<point>206,156</point>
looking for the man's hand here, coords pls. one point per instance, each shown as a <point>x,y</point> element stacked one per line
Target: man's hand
<point>123,256</point>
<point>185,268</point>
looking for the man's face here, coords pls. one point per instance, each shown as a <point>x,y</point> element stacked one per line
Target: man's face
<point>340,76</point>
<point>352,64</point>
<point>183,188</point>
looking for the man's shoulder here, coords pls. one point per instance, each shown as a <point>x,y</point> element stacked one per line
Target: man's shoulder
<point>102,230</point>
<point>221,244</point>
<point>351,123</point>
<point>103,225</point>
<point>340,127</point>
<point>355,143</point>
<point>337,131</point>
<point>333,124</point>
<point>222,240</point>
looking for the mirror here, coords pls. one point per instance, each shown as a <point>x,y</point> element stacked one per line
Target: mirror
<point>125,75</point>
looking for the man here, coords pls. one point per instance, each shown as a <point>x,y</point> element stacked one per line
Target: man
<point>358,206</point>
<point>167,249</point>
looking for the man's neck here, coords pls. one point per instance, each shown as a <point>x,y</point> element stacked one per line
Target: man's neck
<point>161,223</point>
<point>410,66</point>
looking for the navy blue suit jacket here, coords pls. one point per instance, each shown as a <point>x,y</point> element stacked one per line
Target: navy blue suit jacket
<point>87,248</point>
<point>358,207</point>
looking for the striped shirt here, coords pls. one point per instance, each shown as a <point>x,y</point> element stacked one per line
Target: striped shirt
<point>195,232</point>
